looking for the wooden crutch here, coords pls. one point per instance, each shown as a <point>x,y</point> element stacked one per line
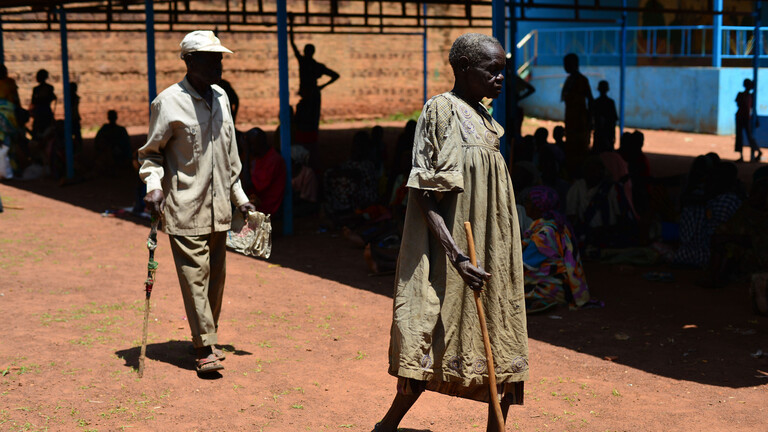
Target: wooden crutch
<point>486,340</point>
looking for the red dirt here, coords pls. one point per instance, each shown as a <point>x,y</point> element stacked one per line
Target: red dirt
<point>308,332</point>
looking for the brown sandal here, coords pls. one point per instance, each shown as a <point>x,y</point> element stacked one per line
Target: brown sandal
<point>220,354</point>
<point>208,364</point>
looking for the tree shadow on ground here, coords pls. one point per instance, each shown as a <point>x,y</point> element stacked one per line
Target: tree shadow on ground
<point>177,353</point>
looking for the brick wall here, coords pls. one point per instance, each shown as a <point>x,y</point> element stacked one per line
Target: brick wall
<point>380,75</point>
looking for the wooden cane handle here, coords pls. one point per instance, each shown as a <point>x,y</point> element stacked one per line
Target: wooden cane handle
<point>486,339</point>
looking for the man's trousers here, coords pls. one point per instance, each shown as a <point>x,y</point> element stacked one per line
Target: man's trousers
<point>201,267</point>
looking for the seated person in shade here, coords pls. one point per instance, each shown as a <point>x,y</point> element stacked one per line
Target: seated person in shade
<point>639,167</point>
<point>267,172</point>
<point>738,246</point>
<point>304,183</point>
<point>598,206</point>
<point>352,185</point>
<point>553,271</point>
<point>558,134</point>
<point>698,222</point>
<point>112,145</point>
<point>525,149</point>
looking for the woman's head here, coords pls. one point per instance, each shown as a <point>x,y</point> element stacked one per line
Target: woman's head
<point>478,63</point>
<point>542,202</point>
<point>723,178</point>
<point>42,75</point>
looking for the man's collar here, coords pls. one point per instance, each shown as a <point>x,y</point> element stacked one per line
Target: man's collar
<point>191,90</point>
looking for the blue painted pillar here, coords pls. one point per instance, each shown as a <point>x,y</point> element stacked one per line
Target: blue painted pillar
<point>68,147</point>
<point>758,48</point>
<point>623,69</point>
<point>2,47</point>
<point>424,49</point>
<point>511,89</point>
<point>149,11</point>
<point>717,33</point>
<point>285,113</point>
<point>500,104</point>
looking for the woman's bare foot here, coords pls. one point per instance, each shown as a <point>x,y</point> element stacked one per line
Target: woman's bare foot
<point>372,266</point>
<point>353,237</point>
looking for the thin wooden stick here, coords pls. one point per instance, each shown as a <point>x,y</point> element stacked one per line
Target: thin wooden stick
<point>148,284</point>
<point>486,339</point>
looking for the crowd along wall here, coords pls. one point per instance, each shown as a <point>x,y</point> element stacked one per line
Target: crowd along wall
<point>693,99</point>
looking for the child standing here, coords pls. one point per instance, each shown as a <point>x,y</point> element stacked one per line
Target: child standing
<point>605,119</point>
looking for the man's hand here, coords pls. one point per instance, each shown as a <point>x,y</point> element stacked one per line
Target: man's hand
<point>155,201</point>
<point>474,276</point>
<point>245,208</point>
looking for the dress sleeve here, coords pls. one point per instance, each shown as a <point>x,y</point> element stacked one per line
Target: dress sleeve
<point>436,158</point>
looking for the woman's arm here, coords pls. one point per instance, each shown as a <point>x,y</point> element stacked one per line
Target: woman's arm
<point>474,276</point>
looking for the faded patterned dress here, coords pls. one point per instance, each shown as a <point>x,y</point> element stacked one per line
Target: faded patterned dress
<point>436,341</point>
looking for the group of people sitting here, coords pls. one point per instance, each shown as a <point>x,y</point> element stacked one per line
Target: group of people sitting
<point>612,209</point>
<point>722,225</point>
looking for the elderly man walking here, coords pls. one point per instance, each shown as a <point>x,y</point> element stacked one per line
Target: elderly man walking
<point>191,167</point>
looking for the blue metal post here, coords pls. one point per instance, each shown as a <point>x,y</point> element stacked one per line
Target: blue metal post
<point>717,33</point>
<point>511,87</point>
<point>149,12</point>
<point>758,47</point>
<point>2,47</point>
<point>424,49</point>
<point>623,70</point>
<point>500,104</point>
<point>68,147</point>
<point>285,113</point>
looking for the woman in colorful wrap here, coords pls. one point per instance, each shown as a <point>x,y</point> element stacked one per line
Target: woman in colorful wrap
<point>553,271</point>
<point>458,175</point>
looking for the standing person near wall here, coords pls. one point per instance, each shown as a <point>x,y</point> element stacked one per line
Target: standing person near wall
<point>310,70</point>
<point>458,174</point>
<point>40,109</point>
<point>743,126</point>
<point>577,96</point>
<point>605,120</point>
<point>191,167</point>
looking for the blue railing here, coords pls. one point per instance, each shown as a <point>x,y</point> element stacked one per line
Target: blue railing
<point>642,42</point>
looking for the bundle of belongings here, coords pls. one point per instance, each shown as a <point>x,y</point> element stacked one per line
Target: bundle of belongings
<point>252,237</point>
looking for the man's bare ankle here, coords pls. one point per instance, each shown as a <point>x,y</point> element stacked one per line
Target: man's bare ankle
<point>203,352</point>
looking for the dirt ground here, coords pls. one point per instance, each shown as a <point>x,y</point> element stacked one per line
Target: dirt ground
<point>307,334</point>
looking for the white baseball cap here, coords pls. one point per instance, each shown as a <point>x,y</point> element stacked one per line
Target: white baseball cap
<point>201,40</point>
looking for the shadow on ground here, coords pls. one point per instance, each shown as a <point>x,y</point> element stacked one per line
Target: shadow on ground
<point>177,353</point>
<point>673,329</point>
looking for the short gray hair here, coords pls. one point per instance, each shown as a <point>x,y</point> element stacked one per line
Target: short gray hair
<point>471,46</point>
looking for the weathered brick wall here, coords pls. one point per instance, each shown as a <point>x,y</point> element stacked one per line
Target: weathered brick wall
<point>380,75</point>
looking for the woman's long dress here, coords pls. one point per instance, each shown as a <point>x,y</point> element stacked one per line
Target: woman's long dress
<point>435,334</point>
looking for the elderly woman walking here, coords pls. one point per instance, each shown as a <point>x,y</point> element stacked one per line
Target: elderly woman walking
<point>458,175</point>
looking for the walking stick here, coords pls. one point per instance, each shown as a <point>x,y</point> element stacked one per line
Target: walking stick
<point>151,268</point>
<point>486,340</point>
